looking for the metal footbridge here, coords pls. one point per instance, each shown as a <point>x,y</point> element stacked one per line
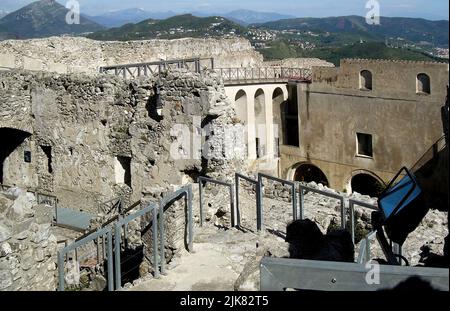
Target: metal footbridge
<point>230,76</point>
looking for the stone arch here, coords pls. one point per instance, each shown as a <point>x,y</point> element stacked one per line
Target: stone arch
<point>240,104</point>
<point>308,172</point>
<point>260,122</point>
<point>423,83</point>
<point>12,139</point>
<point>366,183</point>
<point>365,80</point>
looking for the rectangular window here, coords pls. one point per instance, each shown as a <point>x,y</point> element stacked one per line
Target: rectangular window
<point>258,148</point>
<point>123,170</point>
<point>365,148</point>
<point>48,153</point>
<point>27,156</point>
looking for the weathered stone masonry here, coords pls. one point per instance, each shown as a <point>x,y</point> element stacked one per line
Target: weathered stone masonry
<point>93,124</point>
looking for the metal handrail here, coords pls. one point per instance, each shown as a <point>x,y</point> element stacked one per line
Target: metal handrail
<point>202,179</point>
<point>118,202</point>
<point>96,235</point>
<point>151,208</point>
<point>237,178</point>
<point>351,204</point>
<point>143,69</point>
<point>246,74</point>
<point>437,147</point>
<point>129,209</point>
<point>187,192</point>
<point>259,197</point>
<point>324,193</point>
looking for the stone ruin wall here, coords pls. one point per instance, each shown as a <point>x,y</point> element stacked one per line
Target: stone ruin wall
<point>81,55</point>
<point>28,249</point>
<point>89,121</point>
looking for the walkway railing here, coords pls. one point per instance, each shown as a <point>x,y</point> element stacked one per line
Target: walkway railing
<point>259,197</point>
<point>352,204</point>
<point>264,74</point>
<point>152,68</point>
<point>111,206</point>
<point>105,232</point>
<point>229,75</point>
<point>103,238</point>
<point>202,179</point>
<point>237,179</point>
<point>187,193</point>
<point>152,208</point>
<point>304,189</point>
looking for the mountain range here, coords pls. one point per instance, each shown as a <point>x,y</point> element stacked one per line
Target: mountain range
<point>248,17</point>
<point>175,27</point>
<point>133,16</point>
<point>136,15</point>
<point>42,19</point>
<point>47,17</point>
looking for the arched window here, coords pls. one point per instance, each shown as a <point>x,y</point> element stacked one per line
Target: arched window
<point>365,80</point>
<point>423,84</point>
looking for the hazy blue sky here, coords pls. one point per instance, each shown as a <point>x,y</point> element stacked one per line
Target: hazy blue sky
<point>431,9</point>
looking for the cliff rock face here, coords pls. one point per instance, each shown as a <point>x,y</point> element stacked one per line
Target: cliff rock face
<point>81,55</point>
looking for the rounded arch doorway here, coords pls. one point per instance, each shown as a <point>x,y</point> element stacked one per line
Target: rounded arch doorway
<point>310,173</point>
<point>366,183</point>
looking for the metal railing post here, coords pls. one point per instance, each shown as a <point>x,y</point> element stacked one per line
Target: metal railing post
<point>190,219</point>
<point>61,268</point>
<point>155,242</point>
<point>233,215</point>
<point>162,237</point>
<point>352,220</point>
<point>200,198</point>
<point>294,202</point>
<point>117,249</point>
<point>236,184</point>
<point>259,204</point>
<point>110,263</point>
<point>301,203</point>
<point>221,183</point>
<point>352,204</point>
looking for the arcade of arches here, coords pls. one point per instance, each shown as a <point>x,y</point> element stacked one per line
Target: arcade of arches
<point>272,113</point>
